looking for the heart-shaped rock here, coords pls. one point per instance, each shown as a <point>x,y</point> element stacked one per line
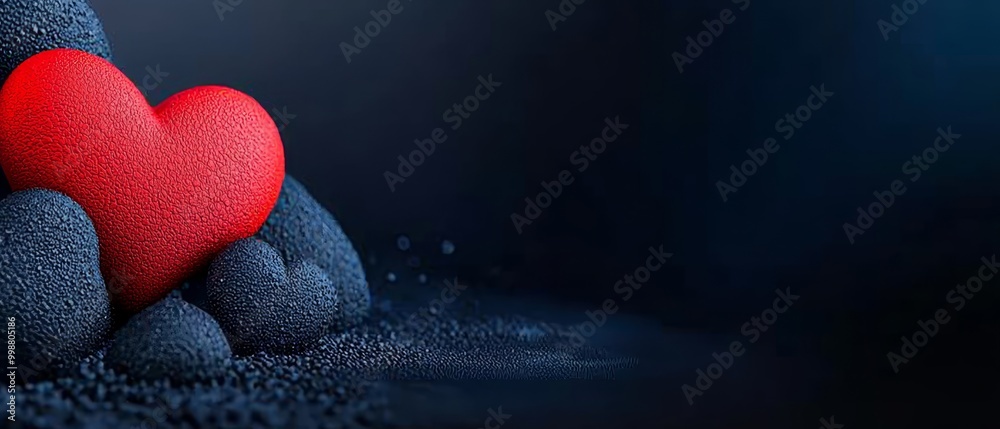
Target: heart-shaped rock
<point>264,305</point>
<point>167,188</point>
<point>301,229</point>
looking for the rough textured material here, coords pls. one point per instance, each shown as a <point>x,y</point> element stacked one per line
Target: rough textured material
<point>28,27</point>
<point>167,188</point>
<point>50,280</point>
<point>265,307</point>
<point>300,228</point>
<point>262,392</point>
<point>341,383</point>
<point>347,380</point>
<point>171,339</point>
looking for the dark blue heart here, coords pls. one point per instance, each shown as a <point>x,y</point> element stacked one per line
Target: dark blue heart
<point>264,306</point>
<point>301,229</point>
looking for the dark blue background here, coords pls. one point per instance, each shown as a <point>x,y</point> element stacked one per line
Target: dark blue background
<point>353,120</point>
<point>657,184</point>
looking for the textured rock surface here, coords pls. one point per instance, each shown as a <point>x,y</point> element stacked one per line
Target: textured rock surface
<point>263,306</point>
<point>344,381</point>
<point>170,339</point>
<point>28,27</point>
<point>301,229</point>
<point>50,280</point>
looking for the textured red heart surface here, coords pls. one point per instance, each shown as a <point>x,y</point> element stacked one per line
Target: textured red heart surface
<point>167,188</point>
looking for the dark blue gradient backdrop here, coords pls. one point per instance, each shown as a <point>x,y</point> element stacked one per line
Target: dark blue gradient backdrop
<point>658,182</point>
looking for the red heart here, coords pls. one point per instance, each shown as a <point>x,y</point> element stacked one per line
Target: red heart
<point>167,188</point>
